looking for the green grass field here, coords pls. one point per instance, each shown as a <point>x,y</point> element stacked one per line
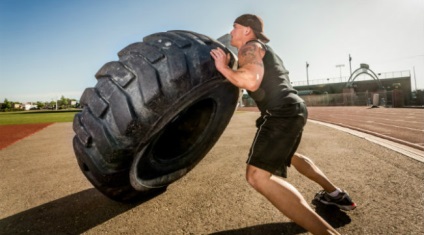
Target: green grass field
<point>29,117</point>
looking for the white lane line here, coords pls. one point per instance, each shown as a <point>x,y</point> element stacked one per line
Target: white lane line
<point>400,148</point>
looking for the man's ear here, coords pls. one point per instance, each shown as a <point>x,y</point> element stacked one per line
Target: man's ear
<point>247,30</point>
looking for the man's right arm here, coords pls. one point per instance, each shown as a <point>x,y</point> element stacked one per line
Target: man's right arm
<point>251,70</point>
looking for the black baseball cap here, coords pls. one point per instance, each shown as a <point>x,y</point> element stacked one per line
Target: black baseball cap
<point>255,23</point>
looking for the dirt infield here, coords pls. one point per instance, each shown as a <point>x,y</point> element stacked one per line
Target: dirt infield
<point>13,133</point>
<point>44,192</point>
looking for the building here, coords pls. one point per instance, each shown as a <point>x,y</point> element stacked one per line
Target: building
<point>30,106</point>
<point>393,89</point>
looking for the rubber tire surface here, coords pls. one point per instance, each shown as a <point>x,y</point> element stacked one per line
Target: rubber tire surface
<point>153,115</point>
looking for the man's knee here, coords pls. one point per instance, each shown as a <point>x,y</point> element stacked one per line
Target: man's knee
<point>255,176</point>
<point>299,159</point>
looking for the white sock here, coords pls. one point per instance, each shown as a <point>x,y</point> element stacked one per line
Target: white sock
<point>335,193</point>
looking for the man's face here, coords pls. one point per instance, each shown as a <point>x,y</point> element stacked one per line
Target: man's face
<point>237,34</point>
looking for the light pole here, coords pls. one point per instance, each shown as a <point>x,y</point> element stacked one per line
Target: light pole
<point>340,66</point>
<point>415,79</point>
<point>350,64</point>
<point>307,75</point>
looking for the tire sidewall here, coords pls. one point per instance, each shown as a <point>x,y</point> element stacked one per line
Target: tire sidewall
<point>224,94</point>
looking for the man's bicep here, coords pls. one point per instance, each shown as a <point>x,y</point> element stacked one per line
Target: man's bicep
<point>251,67</point>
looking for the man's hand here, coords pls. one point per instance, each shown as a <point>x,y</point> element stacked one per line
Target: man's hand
<point>221,59</point>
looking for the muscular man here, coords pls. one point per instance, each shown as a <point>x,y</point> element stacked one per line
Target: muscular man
<point>283,115</point>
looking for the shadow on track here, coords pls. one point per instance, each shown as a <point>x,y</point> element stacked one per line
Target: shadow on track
<point>333,215</point>
<point>73,214</point>
<point>269,229</point>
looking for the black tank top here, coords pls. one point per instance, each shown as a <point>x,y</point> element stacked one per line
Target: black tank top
<point>275,90</point>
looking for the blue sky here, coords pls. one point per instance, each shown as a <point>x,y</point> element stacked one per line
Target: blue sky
<point>50,48</point>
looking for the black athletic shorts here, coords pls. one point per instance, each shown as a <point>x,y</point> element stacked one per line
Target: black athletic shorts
<point>277,138</point>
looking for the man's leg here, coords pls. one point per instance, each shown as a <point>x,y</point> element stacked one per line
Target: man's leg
<point>288,200</point>
<point>329,196</point>
<point>307,168</point>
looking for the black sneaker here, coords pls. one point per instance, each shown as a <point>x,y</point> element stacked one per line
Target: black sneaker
<point>342,201</point>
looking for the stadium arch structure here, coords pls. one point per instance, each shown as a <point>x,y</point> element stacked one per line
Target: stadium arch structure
<point>363,69</point>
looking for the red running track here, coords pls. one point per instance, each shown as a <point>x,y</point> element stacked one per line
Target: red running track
<point>401,125</point>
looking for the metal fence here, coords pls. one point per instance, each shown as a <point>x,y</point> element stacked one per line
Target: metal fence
<point>393,98</point>
<point>387,75</point>
<point>383,98</point>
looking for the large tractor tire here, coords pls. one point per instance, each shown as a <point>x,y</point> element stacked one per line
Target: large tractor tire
<point>153,115</point>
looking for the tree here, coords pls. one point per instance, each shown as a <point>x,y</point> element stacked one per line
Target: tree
<point>40,104</point>
<point>7,105</point>
<point>63,102</point>
<point>52,104</point>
